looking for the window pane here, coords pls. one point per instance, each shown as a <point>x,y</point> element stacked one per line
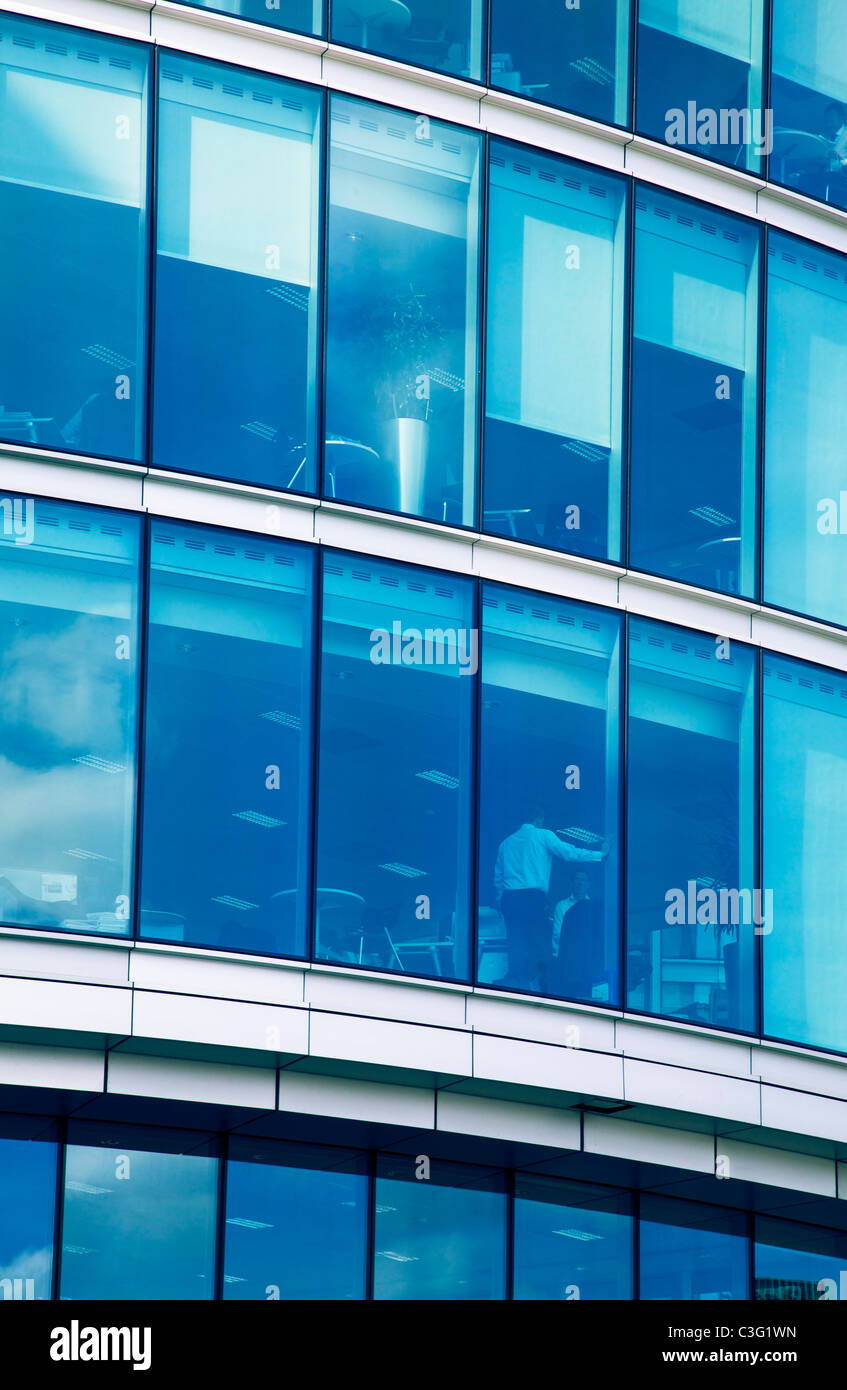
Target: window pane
<point>69,653</point>
<point>693,908</point>
<point>806,424</point>
<point>138,1223</point>
<point>439,1237</point>
<point>576,57</point>
<point>236,298</point>
<point>700,78</point>
<point>401,364</point>
<point>572,1241</point>
<point>302,16</point>
<point>556,254</point>
<point>296,1222</point>
<point>694,394</point>
<point>73,192</point>
<point>799,1262</point>
<point>225,841</point>
<point>809,98</point>
<point>441,34</point>
<point>395,767</point>
<point>692,1252</point>
<point>549,795</point>
<point>805,822</point>
<point>27,1197</point>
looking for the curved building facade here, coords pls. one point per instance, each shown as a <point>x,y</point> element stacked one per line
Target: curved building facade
<point>423,693</point>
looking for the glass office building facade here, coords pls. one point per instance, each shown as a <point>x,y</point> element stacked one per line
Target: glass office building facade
<point>421,568</point>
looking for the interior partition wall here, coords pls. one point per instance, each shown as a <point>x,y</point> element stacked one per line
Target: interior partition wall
<point>695,394</point>
<point>805,502</point>
<point>73,255</point>
<point>402,312</point>
<point>700,83</point>
<point>556,276</point>
<point>236,312</point>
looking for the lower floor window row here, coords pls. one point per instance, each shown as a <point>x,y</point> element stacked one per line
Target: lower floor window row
<point>144,1214</point>
<point>237,742</point>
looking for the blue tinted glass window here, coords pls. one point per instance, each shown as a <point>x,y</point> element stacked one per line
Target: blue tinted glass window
<point>441,34</point>
<point>394,796</point>
<point>302,16</point>
<point>27,1196</point>
<point>689,1251</point>
<point>573,56</point>
<point>138,1222</point>
<point>694,394</point>
<point>296,1222</point>
<point>69,655</point>
<point>799,1262</point>
<point>804,798</point>
<point>693,909</point>
<point>439,1237</point>
<point>401,353</point>
<point>572,1241</point>
<point>805,428</point>
<point>236,276</point>
<point>548,868</point>
<point>809,98</point>
<point>699,79</point>
<point>556,254</point>
<point>73,180</point>
<point>225,840</point>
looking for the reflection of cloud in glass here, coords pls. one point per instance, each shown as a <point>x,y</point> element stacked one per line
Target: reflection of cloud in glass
<point>153,1232</point>
<point>63,808</point>
<point>30,1264</point>
<point>65,686</point>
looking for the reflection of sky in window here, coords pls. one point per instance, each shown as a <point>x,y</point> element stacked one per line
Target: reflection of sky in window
<point>148,1235</point>
<point>27,1187</point>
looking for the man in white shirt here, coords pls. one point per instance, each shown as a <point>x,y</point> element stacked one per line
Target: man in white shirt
<point>521,884</point>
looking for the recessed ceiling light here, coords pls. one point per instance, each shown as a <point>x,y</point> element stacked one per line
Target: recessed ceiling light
<point>256,818</point>
<point>279,716</point>
<point>228,901</point>
<point>248,1224</point>
<point>439,779</point>
<point>405,870</point>
<point>712,515</point>
<point>73,1185</point>
<point>99,764</point>
<point>400,1259</point>
<point>573,1234</point>
<point>584,837</point>
<point>87,854</point>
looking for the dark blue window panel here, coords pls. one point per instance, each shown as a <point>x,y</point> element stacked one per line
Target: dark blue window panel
<point>228,732</point>
<point>693,911</point>
<point>440,1235</point>
<point>236,275</point>
<point>139,1214</point>
<point>300,16</point>
<point>804,770</point>
<point>805,540</point>
<point>296,1222</point>
<point>794,1262</point>
<point>441,34</point>
<point>549,796</point>
<point>401,352</point>
<point>73,196</point>
<point>694,394</point>
<point>69,653</point>
<point>27,1198</point>
<point>572,1241</point>
<point>395,740</point>
<point>572,56</point>
<point>691,1252</point>
<point>809,98</point>
<point>699,80</point>
<point>553,427</point>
